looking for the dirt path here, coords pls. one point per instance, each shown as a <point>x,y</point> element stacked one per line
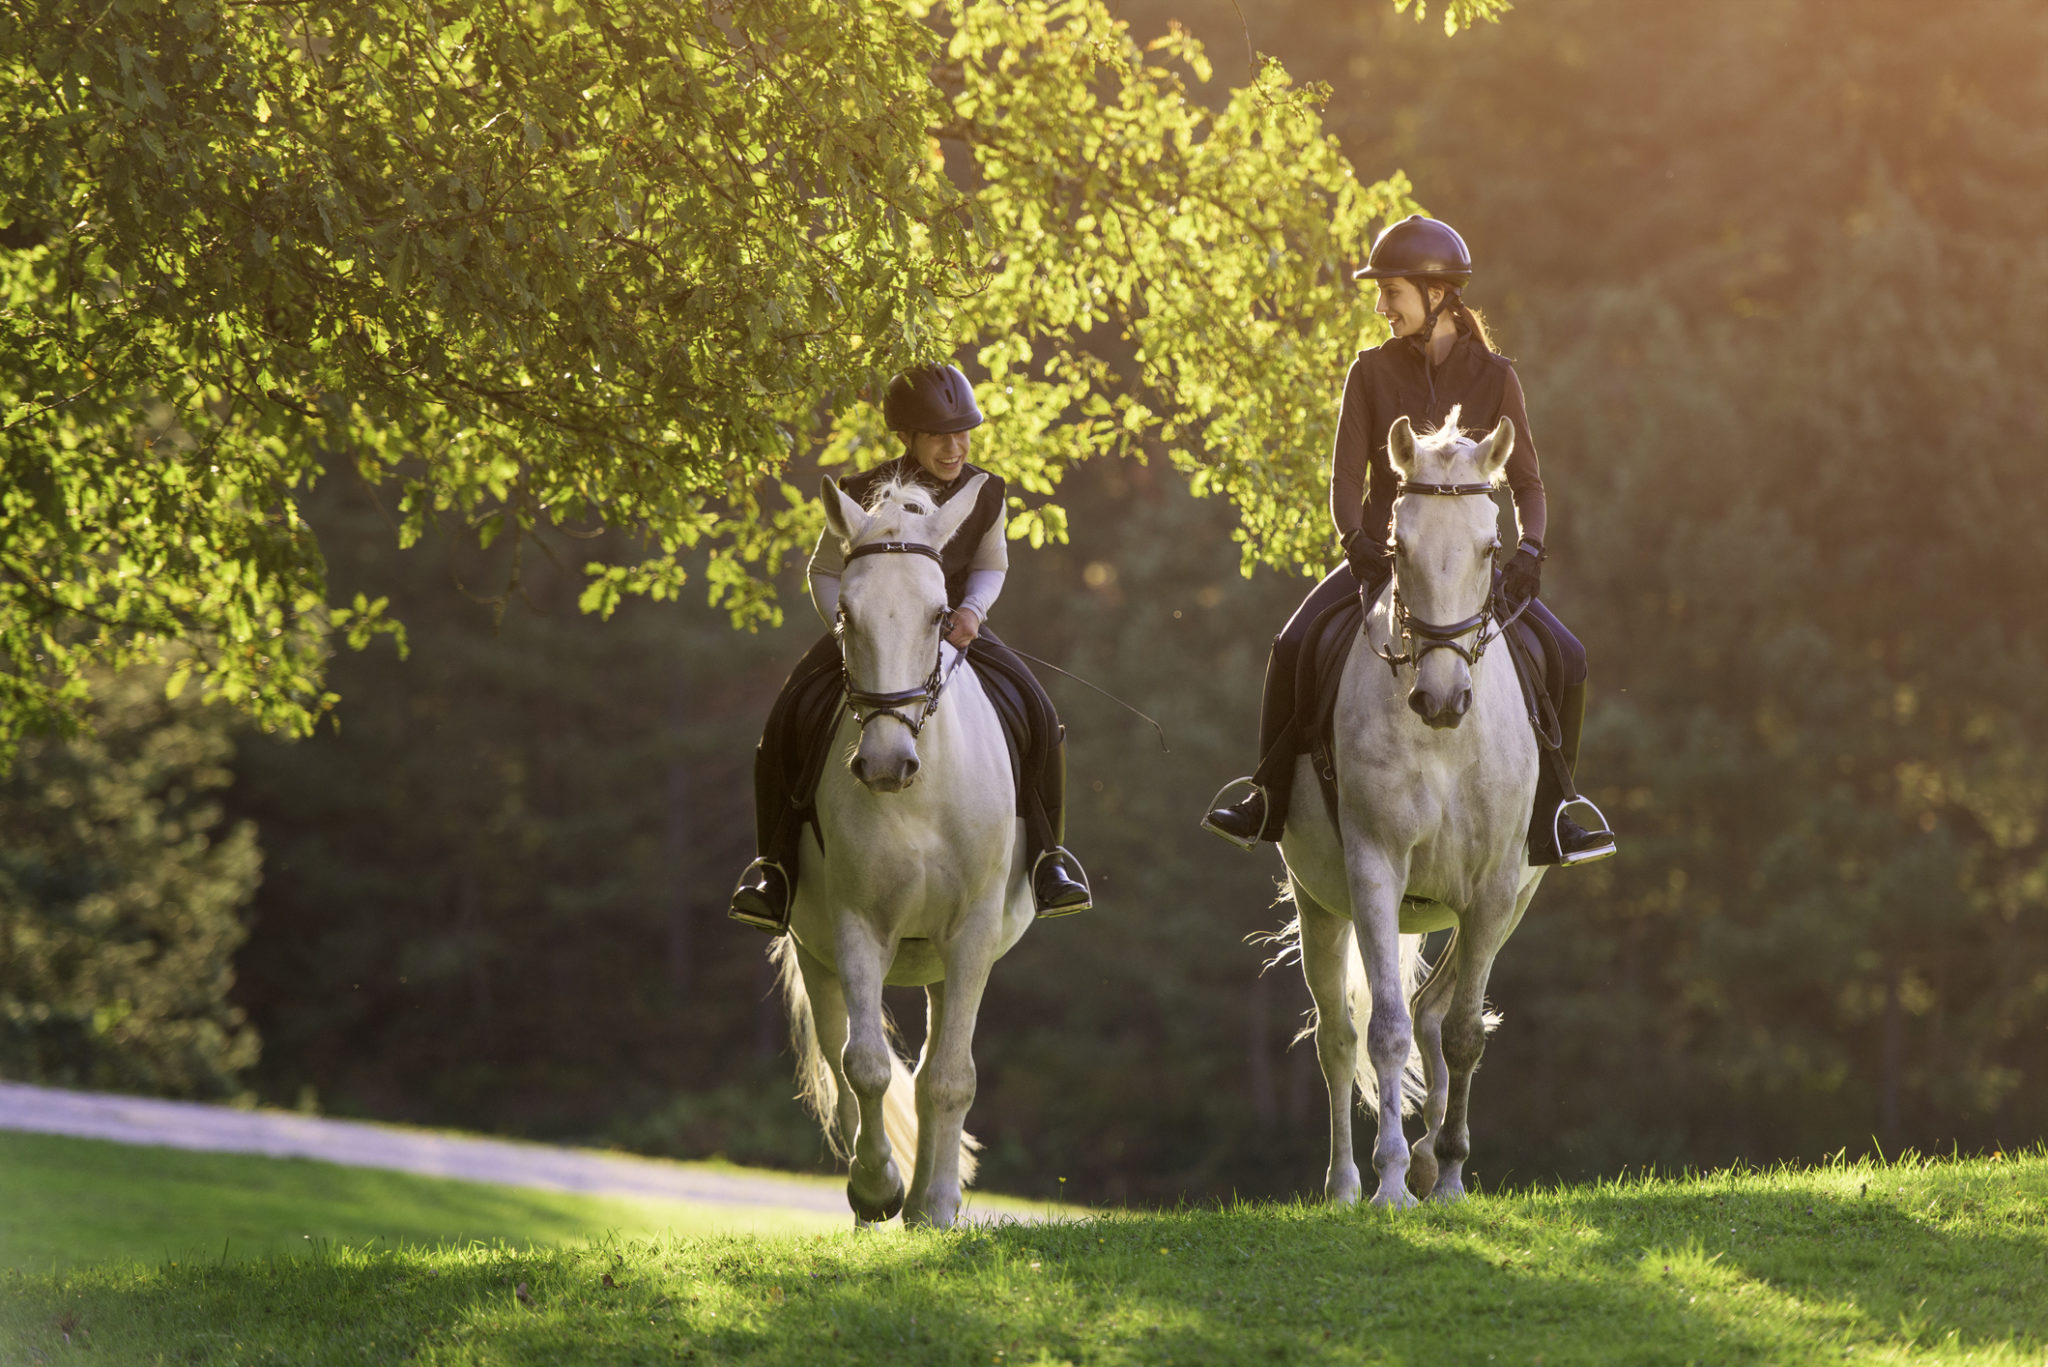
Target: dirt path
<point>280,1134</point>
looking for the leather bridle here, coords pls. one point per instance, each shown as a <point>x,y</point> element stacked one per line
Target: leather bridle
<point>889,704</point>
<point>1408,629</point>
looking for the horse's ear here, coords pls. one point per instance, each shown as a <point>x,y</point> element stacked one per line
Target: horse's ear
<point>1493,453</point>
<point>846,518</point>
<point>1401,447</point>
<point>941,525</point>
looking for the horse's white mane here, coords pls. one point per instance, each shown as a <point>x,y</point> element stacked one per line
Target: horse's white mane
<point>1438,451</point>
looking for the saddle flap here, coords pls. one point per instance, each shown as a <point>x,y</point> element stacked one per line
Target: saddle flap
<point>1327,650</point>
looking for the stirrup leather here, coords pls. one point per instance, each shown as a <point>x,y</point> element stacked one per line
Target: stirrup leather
<point>1216,803</point>
<point>768,924</point>
<point>1039,862</point>
<point>1557,833</point>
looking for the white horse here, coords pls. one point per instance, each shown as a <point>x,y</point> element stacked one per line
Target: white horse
<point>1436,772</point>
<point>920,879</point>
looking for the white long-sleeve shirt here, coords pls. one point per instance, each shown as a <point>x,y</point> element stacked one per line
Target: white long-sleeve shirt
<point>985,573</point>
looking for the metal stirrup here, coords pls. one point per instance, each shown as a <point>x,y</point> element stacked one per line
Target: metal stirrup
<point>1250,781</point>
<point>1044,855</point>
<point>1557,830</point>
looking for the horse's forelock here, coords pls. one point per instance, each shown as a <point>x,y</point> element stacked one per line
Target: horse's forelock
<point>1445,454</point>
<point>893,500</point>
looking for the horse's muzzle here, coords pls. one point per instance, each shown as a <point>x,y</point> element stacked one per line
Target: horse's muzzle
<point>1441,713</point>
<point>886,778</point>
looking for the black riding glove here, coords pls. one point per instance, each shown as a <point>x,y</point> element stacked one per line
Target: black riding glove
<point>1522,580</point>
<point>1370,561</point>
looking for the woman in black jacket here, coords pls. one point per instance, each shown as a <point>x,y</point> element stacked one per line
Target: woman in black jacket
<point>1439,361</point>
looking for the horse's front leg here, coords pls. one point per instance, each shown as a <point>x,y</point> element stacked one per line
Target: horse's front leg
<point>1389,1036</point>
<point>874,1188</point>
<point>1325,956</point>
<point>1427,1011</point>
<point>1471,957</point>
<point>915,1206</point>
<point>945,1077</point>
<point>828,1018</point>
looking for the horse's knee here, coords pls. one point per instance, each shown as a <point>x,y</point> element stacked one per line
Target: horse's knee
<point>1389,1038</point>
<point>867,1068</point>
<point>1464,1042</point>
<point>949,1091</point>
<point>1336,1039</point>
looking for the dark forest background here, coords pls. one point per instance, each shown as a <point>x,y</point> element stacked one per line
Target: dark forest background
<point>1771,272</point>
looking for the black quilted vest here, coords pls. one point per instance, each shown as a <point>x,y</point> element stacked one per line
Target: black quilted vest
<point>1399,383</point>
<point>957,555</point>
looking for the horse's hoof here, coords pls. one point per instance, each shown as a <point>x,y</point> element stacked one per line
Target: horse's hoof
<point>875,1214</point>
<point>1448,1193</point>
<point>923,1217</point>
<point>1421,1171</point>
<point>1396,1198</point>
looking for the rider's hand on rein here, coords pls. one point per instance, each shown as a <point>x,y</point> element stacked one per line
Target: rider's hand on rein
<point>963,627</point>
<point>1522,579</point>
<point>1370,561</point>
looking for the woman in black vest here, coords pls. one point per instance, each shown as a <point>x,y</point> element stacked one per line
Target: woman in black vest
<point>1438,359</point>
<point>932,409</point>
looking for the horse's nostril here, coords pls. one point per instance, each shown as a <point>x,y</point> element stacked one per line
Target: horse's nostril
<point>1464,701</point>
<point>910,769</point>
<point>860,770</point>
<point>1418,703</point>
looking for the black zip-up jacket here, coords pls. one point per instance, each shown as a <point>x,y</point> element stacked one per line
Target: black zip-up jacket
<point>1388,382</point>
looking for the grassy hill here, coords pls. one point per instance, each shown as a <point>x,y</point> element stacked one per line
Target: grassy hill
<point>1906,1262</point>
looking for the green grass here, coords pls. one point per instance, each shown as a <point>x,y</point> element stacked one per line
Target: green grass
<point>1908,1262</point>
<point>65,1202</point>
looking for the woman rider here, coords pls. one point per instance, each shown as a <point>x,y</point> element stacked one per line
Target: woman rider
<point>932,410</point>
<point>1438,359</point>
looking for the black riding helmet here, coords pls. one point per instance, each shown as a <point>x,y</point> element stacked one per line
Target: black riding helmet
<point>931,398</point>
<point>1419,248</point>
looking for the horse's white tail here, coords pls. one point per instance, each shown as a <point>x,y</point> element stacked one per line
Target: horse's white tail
<point>818,1089</point>
<point>1286,945</point>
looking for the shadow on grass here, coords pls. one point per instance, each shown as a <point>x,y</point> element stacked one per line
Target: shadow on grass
<point>1627,1277</point>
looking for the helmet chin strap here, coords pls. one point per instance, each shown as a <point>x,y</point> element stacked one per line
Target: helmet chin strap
<point>1427,333</point>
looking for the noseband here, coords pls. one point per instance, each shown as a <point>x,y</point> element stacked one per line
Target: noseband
<point>887,704</point>
<point>1408,628</point>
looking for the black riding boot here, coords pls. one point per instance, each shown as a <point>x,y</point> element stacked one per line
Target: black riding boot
<point>786,767</point>
<point>1059,885</point>
<point>1554,837</point>
<point>767,890</point>
<point>1262,813</point>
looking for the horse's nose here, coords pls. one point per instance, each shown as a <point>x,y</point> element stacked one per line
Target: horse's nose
<point>885,777</point>
<point>1425,705</point>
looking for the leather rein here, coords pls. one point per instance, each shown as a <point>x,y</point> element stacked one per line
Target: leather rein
<point>890,704</point>
<point>1408,628</point>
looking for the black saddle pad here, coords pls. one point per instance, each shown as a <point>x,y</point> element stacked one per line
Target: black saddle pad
<point>1333,636</point>
<point>1325,653</point>
<point>818,698</point>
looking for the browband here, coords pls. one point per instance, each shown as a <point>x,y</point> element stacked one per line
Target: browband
<point>894,548</point>
<point>1449,490</point>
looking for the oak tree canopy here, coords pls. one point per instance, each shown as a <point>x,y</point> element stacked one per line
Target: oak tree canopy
<point>611,264</point>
